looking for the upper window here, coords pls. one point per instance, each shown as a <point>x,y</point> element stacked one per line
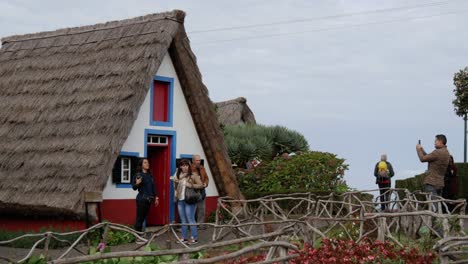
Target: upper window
<point>161,101</point>
<point>157,140</point>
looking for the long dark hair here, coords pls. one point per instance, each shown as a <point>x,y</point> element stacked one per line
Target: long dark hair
<point>140,166</point>
<point>179,169</point>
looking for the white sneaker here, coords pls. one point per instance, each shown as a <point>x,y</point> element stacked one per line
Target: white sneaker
<point>181,240</point>
<point>192,241</point>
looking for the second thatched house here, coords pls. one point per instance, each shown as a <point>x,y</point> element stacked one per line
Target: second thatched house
<point>235,112</point>
<point>79,106</point>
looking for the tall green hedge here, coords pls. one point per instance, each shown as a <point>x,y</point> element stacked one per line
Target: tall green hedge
<point>416,183</point>
<point>462,180</point>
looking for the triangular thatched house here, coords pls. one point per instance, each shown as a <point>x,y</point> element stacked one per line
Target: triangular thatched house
<point>79,105</point>
<point>235,112</point>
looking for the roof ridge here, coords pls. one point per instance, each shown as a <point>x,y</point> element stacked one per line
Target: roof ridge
<point>175,15</point>
<point>241,100</point>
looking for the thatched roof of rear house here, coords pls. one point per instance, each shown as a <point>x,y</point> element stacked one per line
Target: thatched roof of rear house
<point>68,99</point>
<point>235,112</point>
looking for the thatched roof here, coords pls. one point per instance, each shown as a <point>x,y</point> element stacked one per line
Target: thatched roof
<point>235,112</point>
<point>68,99</point>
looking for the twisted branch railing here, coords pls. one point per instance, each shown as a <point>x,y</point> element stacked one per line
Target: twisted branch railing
<point>355,216</point>
<point>301,216</point>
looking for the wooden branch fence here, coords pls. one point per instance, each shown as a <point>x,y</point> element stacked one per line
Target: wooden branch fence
<point>351,213</point>
<point>273,222</point>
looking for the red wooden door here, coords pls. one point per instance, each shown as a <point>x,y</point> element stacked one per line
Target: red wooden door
<point>159,159</point>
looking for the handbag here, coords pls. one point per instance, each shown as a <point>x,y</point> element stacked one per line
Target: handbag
<point>192,196</point>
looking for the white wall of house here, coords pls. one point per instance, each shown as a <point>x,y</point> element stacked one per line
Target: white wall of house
<point>188,141</point>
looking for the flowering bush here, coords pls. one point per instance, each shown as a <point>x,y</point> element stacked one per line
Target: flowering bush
<point>348,251</point>
<point>309,171</point>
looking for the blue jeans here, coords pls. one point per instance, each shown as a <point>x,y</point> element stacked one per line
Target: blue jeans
<point>187,216</point>
<point>434,192</point>
<point>435,208</point>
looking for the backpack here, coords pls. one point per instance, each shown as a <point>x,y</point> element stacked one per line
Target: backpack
<point>382,169</point>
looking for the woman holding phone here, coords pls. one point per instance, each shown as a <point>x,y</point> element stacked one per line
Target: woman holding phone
<point>144,183</point>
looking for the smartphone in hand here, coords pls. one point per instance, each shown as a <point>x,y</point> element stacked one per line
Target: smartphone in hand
<point>419,142</point>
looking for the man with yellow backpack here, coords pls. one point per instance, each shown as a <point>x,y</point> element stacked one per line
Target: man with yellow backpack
<point>383,172</point>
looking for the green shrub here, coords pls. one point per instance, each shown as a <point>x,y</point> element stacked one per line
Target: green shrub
<point>114,238</point>
<point>118,237</point>
<point>310,171</point>
<point>245,142</point>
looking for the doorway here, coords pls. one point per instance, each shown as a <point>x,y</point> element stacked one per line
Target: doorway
<point>159,153</point>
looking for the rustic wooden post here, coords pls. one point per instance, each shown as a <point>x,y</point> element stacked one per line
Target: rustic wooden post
<point>215,228</point>
<point>168,244</point>
<point>263,220</point>
<point>46,246</point>
<point>184,256</point>
<point>443,259</point>
<point>104,234</point>
<point>350,207</point>
<point>381,229</point>
<point>361,224</point>
<point>92,198</point>
<point>282,252</point>
<point>462,220</point>
<point>314,222</point>
<point>446,227</point>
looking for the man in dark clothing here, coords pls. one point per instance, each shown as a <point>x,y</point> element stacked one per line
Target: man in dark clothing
<point>383,172</point>
<point>143,181</point>
<point>199,169</point>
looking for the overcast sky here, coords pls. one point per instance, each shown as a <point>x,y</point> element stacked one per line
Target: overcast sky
<point>355,83</point>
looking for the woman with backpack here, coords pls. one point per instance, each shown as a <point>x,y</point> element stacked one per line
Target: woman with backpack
<point>383,172</point>
<point>450,190</point>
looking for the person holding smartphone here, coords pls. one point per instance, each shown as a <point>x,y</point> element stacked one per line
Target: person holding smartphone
<point>438,161</point>
<point>143,182</point>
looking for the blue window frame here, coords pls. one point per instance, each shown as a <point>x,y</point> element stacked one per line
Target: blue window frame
<point>170,102</point>
<point>127,154</point>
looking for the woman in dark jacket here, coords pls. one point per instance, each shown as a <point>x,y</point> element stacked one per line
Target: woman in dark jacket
<point>144,183</point>
<point>450,190</point>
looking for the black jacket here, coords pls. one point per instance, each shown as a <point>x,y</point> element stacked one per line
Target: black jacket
<point>146,189</point>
